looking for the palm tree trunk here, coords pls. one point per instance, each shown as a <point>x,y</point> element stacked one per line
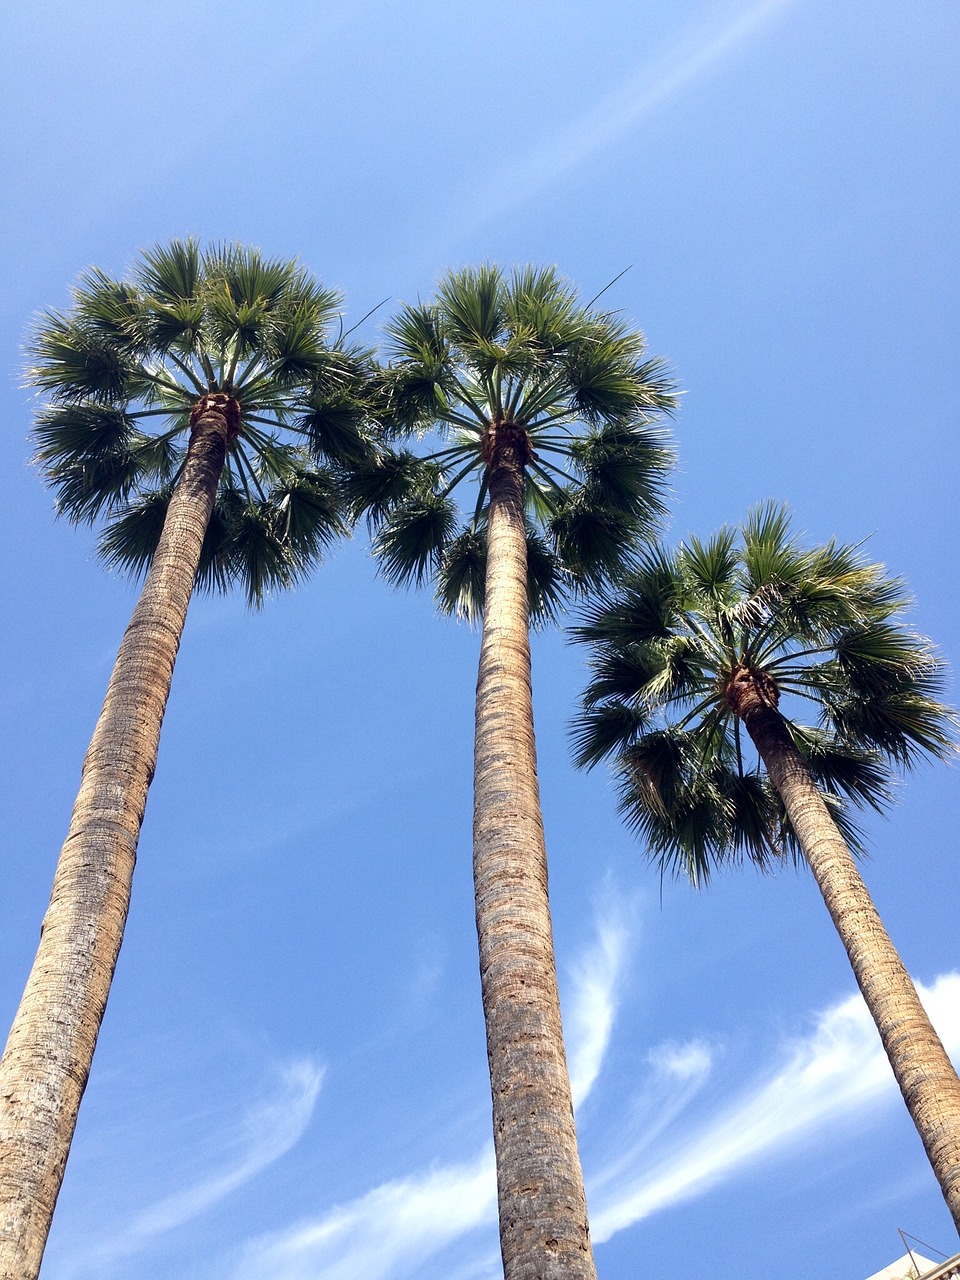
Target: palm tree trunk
<point>544,1233</point>
<point>47,1060</point>
<point>923,1071</point>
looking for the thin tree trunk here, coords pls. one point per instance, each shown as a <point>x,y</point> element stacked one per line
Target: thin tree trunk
<point>47,1060</point>
<point>923,1071</point>
<point>544,1233</point>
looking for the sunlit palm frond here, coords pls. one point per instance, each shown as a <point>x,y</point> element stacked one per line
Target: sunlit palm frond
<point>74,362</point>
<point>495,354</point>
<point>472,304</point>
<point>626,467</point>
<point>126,367</point>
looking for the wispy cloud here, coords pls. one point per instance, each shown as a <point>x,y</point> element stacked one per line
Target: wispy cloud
<point>623,110</point>
<point>840,1069</point>
<point>590,1006</point>
<point>267,1131</point>
<point>382,1234</point>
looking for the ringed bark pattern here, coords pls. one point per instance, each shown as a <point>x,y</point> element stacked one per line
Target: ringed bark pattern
<point>544,1230</point>
<point>927,1079</point>
<point>47,1060</point>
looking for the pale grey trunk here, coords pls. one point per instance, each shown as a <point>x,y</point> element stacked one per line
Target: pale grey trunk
<point>47,1060</point>
<point>544,1233</point>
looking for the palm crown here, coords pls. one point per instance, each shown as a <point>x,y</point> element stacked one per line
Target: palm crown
<point>671,652</point>
<point>133,356</point>
<point>518,361</point>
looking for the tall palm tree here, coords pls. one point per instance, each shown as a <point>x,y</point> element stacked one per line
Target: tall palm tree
<point>546,405</point>
<point>722,641</point>
<point>226,354</point>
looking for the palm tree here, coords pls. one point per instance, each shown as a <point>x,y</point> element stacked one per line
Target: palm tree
<point>226,353</point>
<point>546,405</point>
<point>732,636</point>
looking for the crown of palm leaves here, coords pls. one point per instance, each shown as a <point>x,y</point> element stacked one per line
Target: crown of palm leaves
<point>521,351</point>
<point>124,368</point>
<point>821,627</point>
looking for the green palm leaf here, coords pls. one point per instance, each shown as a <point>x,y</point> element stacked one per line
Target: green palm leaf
<point>823,623</point>
<point>125,368</point>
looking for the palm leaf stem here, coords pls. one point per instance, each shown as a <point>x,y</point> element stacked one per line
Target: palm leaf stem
<point>542,463</point>
<point>559,415</point>
<point>169,434</point>
<point>548,479</point>
<point>246,473</point>
<point>482,418</point>
<point>260,438</point>
<point>736,740</point>
<point>599,295</point>
<point>761,639</point>
<point>456,450</point>
<point>266,375</point>
<point>208,369</point>
<point>710,642</point>
<point>538,401</point>
<point>447,489</point>
<point>155,413</point>
<point>269,422</point>
<point>250,368</point>
<point>798,690</point>
<point>712,724</point>
<point>486,383</point>
<point>789,657</point>
<point>353,328</point>
<point>481,497</point>
<point>188,373</point>
<point>459,420</point>
<point>231,370</point>
<point>700,707</point>
<point>498,390</point>
<point>562,447</point>
<point>169,384</point>
<point>175,478</point>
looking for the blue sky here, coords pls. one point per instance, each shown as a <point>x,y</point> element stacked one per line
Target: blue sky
<point>291,1081</point>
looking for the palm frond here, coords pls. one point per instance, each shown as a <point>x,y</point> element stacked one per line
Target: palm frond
<point>188,323</point>
<point>385,480</point>
<point>625,466</point>
<point>170,273</point>
<point>461,579</point>
<point>410,541</point>
<point>823,624</point>
<point>604,729</point>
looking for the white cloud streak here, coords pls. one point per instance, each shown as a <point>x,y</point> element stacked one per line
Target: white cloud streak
<point>624,110</point>
<point>384,1233</point>
<point>840,1070</point>
<point>268,1130</point>
<point>591,1002</point>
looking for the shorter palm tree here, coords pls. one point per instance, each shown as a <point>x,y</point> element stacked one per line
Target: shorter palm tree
<point>548,406</point>
<point>719,642</point>
<point>201,412</point>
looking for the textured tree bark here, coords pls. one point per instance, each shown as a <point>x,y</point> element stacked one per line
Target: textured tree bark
<point>923,1071</point>
<point>544,1233</point>
<point>47,1060</point>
